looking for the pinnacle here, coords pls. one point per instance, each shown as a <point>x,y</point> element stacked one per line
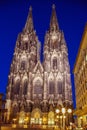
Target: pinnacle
<point>29,23</point>
<point>30,9</point>
<point>53,21</point>
<point>53,6</point>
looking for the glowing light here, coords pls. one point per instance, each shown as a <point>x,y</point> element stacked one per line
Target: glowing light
<point>63,110</point>
<point>64,117</point>
<point>81,117</point>
<point>71,123</point>
<point>60,117</point>
<point>13,125</point>
<point>21,121</point>
<point>57,110</point>
<point>14,120</point>
<point>57,116</point>
<point>69,110</point>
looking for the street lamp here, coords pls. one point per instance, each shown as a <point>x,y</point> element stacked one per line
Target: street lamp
<point>57,116</point>
<point>14,120</point>
<point>14,123</point>
<point>57,110</point>
<point>63,112</point>
<point>61,115</point>
<point>25,122</point>
<point>69,112</point>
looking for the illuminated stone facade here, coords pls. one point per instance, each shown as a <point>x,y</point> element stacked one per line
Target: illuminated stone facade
<point>80,76</point>
<point>36,88</point>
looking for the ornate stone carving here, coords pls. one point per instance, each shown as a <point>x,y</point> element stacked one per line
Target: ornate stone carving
<point>31,83</point>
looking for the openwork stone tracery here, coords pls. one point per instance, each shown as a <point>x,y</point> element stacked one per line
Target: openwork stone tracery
<point>36,86</point>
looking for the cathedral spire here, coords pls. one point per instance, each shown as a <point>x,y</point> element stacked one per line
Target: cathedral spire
<point>29,23</point>
<point>53,21</point>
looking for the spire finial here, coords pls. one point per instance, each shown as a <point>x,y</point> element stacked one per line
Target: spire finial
<point>30,9</point>
<point>53,21</point>
<point>53,6</point>
<point>29,23</point>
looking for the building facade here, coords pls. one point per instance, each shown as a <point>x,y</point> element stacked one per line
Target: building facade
<point>34,88</point>
<point>80,76</point>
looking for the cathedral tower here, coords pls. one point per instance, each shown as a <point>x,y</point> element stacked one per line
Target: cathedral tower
<point>35,88</point>
<point>56,64</point>
<point>26,56</point>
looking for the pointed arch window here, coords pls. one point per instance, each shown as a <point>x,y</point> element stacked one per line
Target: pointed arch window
<point>51,87</point>
<point>23,65</point>
<point>25,45</point>
<point>17,87</point>
<point>38,87</point>
<point>59,87</point>
<point>55,63</point>
<point>25,86</point>
<point>15,110</point>
<point>12,92</point>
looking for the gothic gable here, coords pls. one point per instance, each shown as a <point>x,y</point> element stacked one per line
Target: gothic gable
<point>38,67</point>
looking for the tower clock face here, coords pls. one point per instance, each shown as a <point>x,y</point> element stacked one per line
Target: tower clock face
<point>25,38</point>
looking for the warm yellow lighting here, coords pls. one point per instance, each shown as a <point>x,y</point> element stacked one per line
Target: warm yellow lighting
<point>26,119</point>
<point>71,123</point>
<point>44,119</point>
<point>63,110</point>
<point>81,117</point>
<point>57,116</point>
<point>69,110</point>
<point>25,126</point>
<point>57,110</point>
<point>14,120</point>
<point>64,117</point>
<point>21,121</point>
<point>60,117</point>
<point>13,125</point>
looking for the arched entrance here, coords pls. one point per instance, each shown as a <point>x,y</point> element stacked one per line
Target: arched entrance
<point>51,120</point>
<point>21,117</point>
<point>36,116</point>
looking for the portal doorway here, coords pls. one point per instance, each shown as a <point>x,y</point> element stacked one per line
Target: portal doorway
<point>51,120</point>
<point>36,117</point>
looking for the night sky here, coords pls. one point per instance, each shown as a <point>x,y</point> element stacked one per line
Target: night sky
<point>72,17</point>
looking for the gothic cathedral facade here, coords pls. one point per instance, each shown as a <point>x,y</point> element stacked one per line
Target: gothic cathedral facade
<point>34,86</point>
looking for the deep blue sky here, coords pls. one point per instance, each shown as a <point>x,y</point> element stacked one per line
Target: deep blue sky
<point>71,14</point>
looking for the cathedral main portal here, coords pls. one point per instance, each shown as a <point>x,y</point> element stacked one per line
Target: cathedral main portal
<point>36,116</point>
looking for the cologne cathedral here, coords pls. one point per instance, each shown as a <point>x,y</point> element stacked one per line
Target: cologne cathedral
<point>36,88</point>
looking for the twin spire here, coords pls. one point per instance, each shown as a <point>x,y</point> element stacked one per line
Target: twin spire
<point>29,27</point>
<point>53,20</point>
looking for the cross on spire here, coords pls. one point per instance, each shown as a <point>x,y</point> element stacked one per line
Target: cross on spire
<point>53,20</point>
